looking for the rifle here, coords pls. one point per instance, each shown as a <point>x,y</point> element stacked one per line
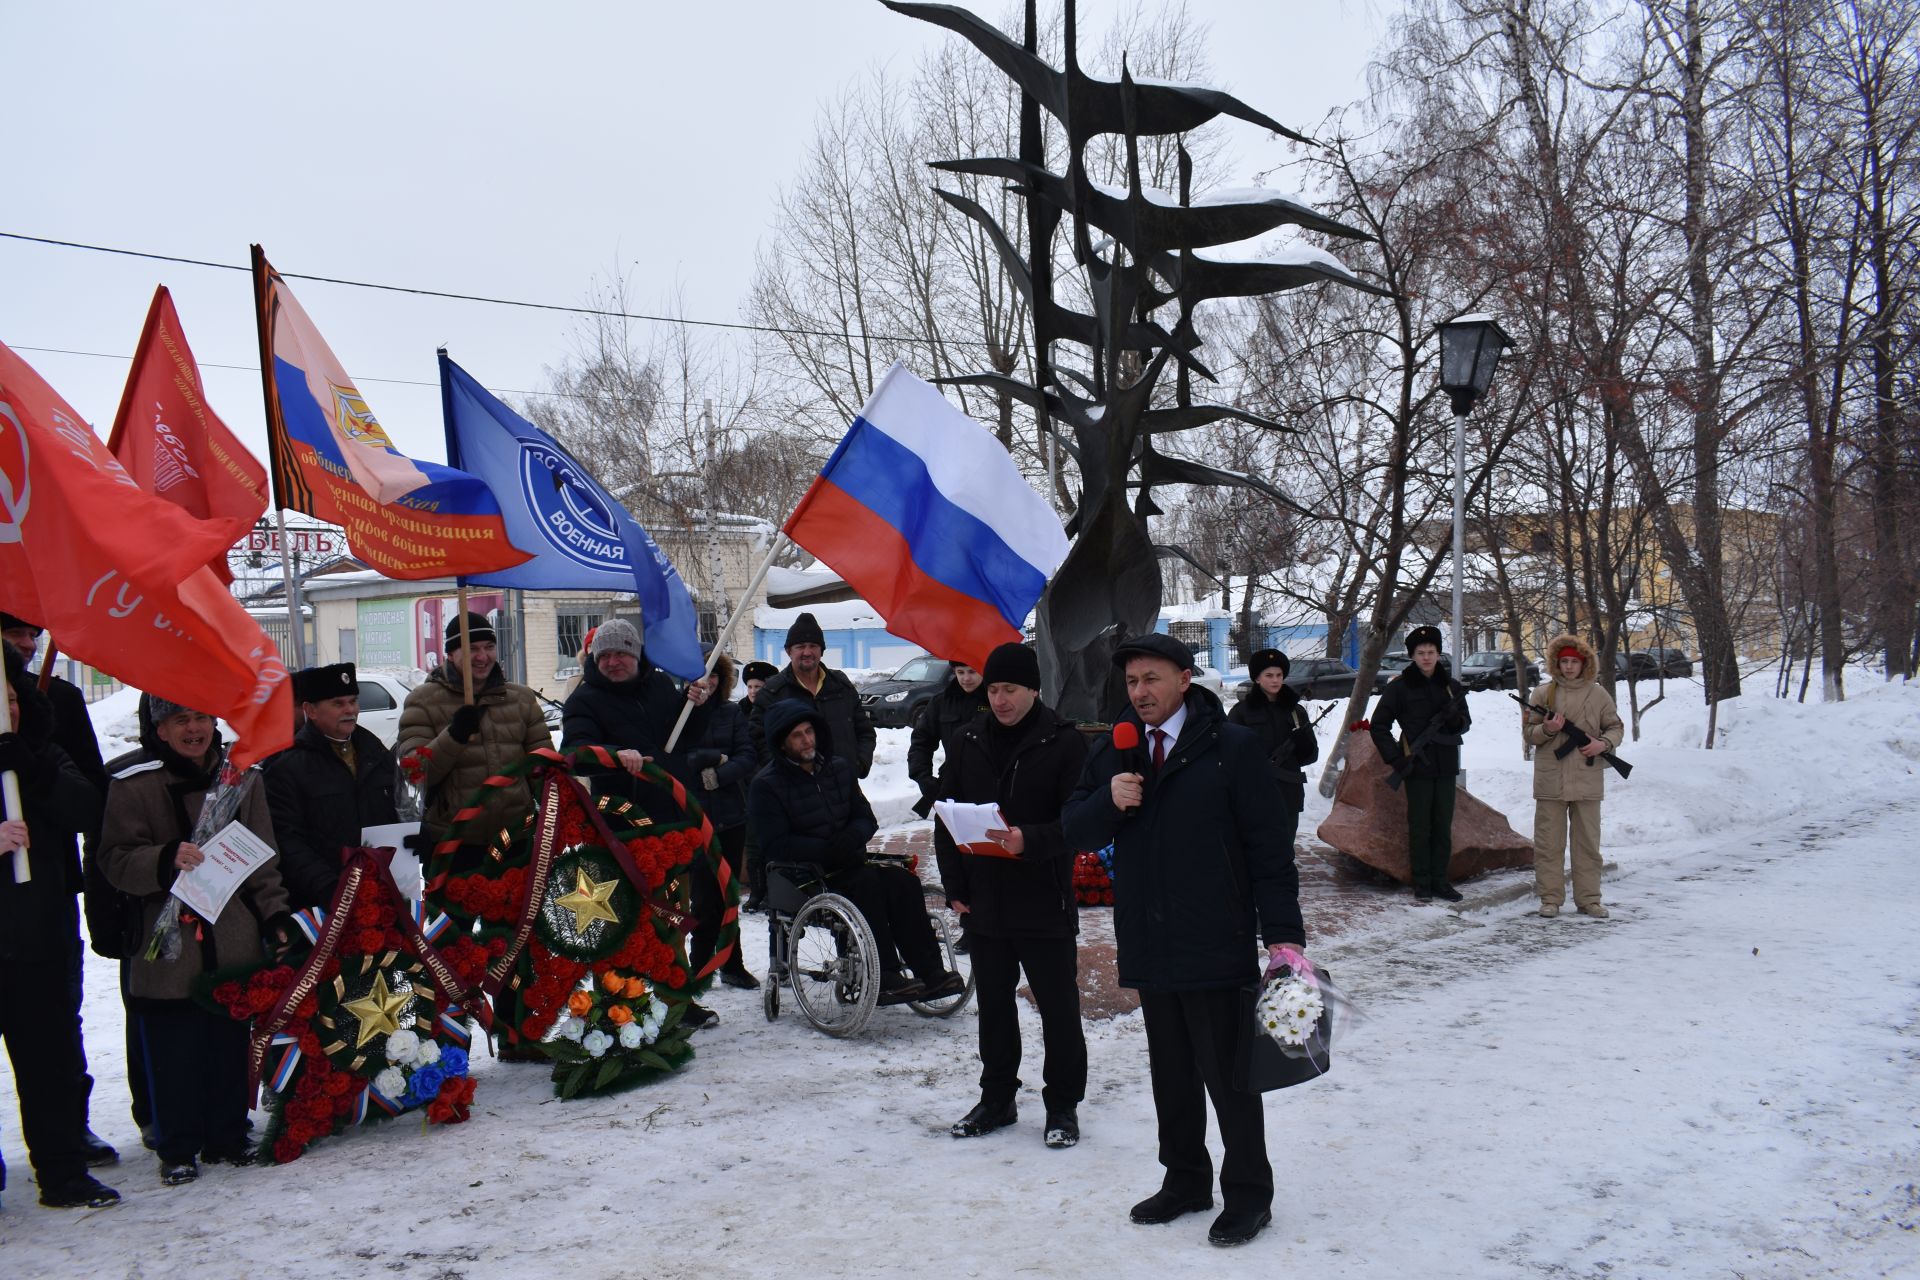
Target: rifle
<point>1429,736</point>
<point>1576,738</point>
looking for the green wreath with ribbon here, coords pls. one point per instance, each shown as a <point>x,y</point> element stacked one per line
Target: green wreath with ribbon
<point>583,907</point>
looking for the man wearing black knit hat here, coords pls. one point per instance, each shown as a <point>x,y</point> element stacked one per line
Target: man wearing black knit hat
<point>336,779</point>
<point>1202,874</point>
<point>825,690</point>
<point>463,744</point>
<point>1273,711</point>
<point>1430,708</point>
<point>1019,908</point>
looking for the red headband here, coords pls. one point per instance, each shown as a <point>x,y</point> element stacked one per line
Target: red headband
<point>1569,651</point>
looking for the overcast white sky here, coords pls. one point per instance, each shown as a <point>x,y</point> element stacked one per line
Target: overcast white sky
<point>514,151</point>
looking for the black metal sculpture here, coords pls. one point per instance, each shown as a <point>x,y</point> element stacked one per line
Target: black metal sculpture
<point>1109,585</point>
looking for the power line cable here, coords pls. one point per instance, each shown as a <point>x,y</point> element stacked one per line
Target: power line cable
<point>502,302</point>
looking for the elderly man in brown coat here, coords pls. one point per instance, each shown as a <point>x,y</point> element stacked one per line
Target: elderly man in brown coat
<point>463,745</point>
<point>1567,789</point>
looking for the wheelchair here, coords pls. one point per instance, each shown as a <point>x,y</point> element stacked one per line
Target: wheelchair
<point>821,948</point>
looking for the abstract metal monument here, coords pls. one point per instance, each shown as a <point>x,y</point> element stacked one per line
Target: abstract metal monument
<point>1144,262</point>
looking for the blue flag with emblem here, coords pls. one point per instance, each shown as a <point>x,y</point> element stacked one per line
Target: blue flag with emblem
<point>579,537</point>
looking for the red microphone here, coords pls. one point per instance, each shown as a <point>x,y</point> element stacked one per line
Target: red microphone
<point>1126,740</point>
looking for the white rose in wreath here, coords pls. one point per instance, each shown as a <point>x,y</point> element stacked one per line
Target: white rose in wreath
<point>391,1083</point>
<point>403,1048</point>
<point>631,1036</point>
<point>572,1029</point>
<point>428,1053</point>
<point>596,1043</point>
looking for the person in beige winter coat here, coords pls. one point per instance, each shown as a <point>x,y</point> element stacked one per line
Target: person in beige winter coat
<point>465,745</point>
<point>1567,790</point>
<point>196,1059</point>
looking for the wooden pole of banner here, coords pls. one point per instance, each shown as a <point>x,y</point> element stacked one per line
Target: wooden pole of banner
<point>46,663</point>
<point>726,632</point>
<point>466,654</point>
<point>296,630</point>
<point>10,791</point>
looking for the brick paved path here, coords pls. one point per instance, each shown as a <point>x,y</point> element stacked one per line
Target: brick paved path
<point>1338,896</point>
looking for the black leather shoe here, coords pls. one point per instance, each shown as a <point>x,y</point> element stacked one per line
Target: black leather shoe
<point>983,1119</point>
<point>898,988</point>
<point>99,1151</point>
<point>1165,1206</point>
<point>1446,893</point>
<point>238,1154</point>
<point>736,975</point>
<point>1422,894</point>
<point>697,1016</point>
<point>1236,1226</point>
<point>942,985</point>
<point>178,1175</point>
<point>1063,1128</point>
<point>82,1192</point>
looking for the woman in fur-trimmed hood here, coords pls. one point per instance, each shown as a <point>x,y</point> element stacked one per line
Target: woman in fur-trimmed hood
<point>1567,789</point>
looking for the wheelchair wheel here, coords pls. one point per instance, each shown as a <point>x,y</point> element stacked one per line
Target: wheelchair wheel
<point>770,998</point>
<point>957,961</point>
<point>833,964</point>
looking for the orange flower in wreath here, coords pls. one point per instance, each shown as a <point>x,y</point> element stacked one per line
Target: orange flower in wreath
<point>619,1015</point>
<point>580,1004</point>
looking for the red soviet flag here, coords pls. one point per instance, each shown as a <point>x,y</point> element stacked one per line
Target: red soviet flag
<point>120,575</point>
<point>174,445</point>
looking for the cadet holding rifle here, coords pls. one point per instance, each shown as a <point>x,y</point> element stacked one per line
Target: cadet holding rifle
<point>1430,708</point>
<point>1567,788</point>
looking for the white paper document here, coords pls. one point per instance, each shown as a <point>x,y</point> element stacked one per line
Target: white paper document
<point>231,857</point>
<point>968,824</point>
<point>406,863</point>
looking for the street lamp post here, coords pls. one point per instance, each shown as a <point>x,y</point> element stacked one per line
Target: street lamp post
<point>1470,347</point>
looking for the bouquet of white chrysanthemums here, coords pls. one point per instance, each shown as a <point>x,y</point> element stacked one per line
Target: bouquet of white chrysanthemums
<point>1290,1009</point>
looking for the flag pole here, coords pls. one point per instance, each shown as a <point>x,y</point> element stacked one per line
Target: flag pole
<point>466,663</point>
<point>10,791</point>
<point>46,663</point>
<point>295,629</point>
<point>720,641</point>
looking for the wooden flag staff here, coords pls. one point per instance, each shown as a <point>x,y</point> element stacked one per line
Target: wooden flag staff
<point>720,641</point>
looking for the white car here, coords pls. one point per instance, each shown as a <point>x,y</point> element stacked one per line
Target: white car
<point>382,694</point>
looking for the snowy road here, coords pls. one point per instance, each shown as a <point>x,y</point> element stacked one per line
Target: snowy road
<point>1718,1082</point>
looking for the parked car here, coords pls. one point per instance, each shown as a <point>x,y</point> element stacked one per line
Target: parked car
<point>1494,669</point>
<point>1649,664</point>
<point>1209,680</point>
<point>382,694</point>
<point>895,701</point>
<point>1321,678</point>
<point>1392,664</point>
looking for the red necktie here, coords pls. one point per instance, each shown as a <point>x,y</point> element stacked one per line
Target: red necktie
<point>1159,748</point>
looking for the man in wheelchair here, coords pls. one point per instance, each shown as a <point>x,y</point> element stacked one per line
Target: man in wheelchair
<point>805,807</point>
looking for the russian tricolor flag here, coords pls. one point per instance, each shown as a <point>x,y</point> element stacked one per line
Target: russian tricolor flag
<point>925,515</point>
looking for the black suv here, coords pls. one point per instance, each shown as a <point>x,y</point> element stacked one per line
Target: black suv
<point>895,701</point>
<point>1493,669</point>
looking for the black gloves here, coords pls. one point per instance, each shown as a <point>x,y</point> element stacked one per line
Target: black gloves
<point>466,723</point>
<point>705,758</point>
<point>17,756</point>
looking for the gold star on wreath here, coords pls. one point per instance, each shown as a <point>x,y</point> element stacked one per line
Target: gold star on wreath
<point>379,1010</point>
<point>590,900</point>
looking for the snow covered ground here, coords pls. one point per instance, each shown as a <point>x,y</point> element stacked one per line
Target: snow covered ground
<point>1719,1081</point>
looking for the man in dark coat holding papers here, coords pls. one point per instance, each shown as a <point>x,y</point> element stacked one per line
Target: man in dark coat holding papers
<point>335,780</point>
<point>1202,873</point>
<point>1019,908</point>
